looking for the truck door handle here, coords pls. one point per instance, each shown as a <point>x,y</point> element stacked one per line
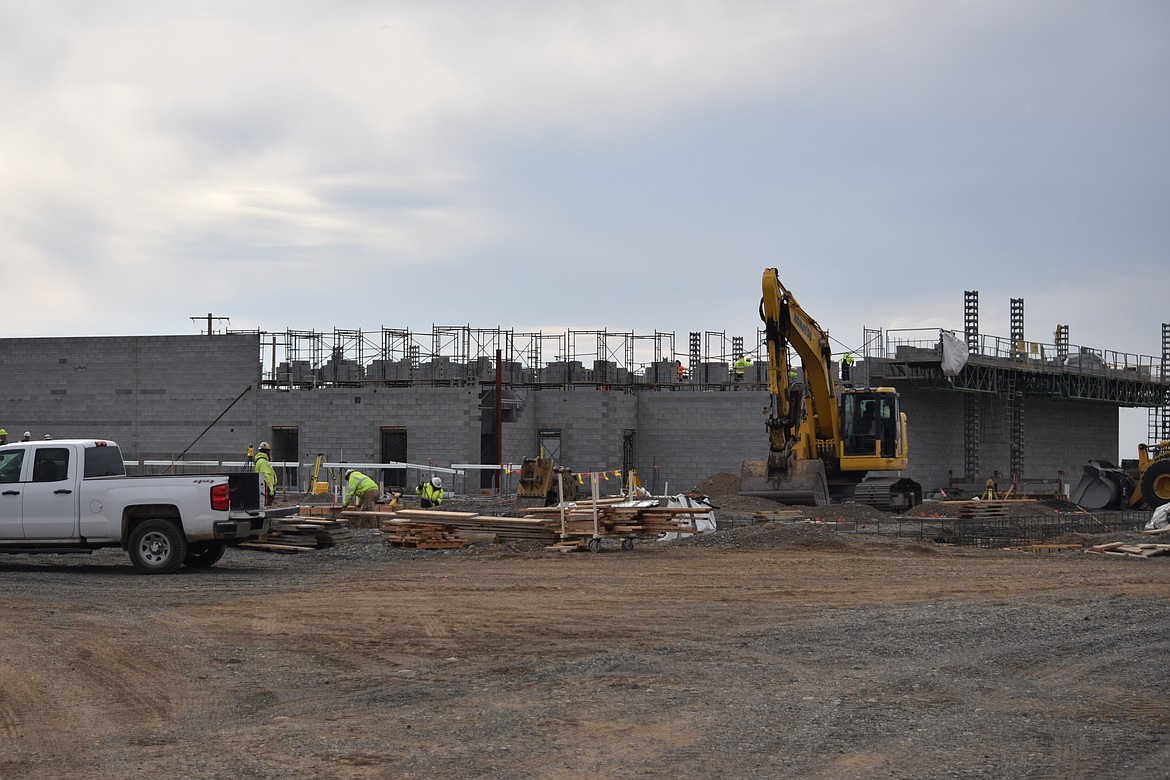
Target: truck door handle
<point>62,492</point>
<point>10,493</point>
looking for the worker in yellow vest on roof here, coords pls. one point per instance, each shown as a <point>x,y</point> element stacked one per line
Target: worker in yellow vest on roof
<point>360,489</point>
<point>264,466</point>
<point>741,366</point>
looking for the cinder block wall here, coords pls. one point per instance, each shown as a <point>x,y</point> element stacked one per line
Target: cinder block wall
<point>154,395</point>
<point>685,437</point>
<point>592,423</point>
<point>442,423</point>
<point>1059,435</point>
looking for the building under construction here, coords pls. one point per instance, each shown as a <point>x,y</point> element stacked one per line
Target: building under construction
<point>461,401</point>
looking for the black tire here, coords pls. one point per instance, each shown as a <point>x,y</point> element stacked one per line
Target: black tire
<point>1156,484</point>
<point>594,545</point>
<point>627,544</point>
<point>203,555</point>
<point>157,547</point>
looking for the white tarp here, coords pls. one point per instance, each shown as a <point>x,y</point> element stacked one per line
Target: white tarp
<point>1160,518</point>
<point>704,522</point>
<point>954,353</point>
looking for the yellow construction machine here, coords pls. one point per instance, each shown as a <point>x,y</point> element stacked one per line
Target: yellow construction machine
<point>537,485</point>
<point>1105,486</point>
<point>824,439</point>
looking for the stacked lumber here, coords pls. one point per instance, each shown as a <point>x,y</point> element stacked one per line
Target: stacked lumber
<point>302,533</point>
<point>471,526</point>
<point>1127,550</point>
<point>979,510</point>
<point>613,520</point>
<point>424,536</point>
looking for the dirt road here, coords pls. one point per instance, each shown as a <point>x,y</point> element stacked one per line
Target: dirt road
<point>814,658</point>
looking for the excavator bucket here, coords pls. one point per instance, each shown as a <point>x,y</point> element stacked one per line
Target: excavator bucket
<point>1103,486</point>
<point>803,483</point>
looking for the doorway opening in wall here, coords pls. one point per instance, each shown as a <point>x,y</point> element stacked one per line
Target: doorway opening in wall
<point>548,444</point>
<point>629,457</point>
<point>487,454</point>
<point>286,447</point>
<point>393,451</point>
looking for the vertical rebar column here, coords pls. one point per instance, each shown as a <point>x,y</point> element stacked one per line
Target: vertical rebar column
<point>971,319</point>
<point>1015,415</point>
<point>1019,349</point>
<point>971,423</point>
<point>736,347</point>
<point>1015,395</point>
<point>971,430</point>
<point>1158,429</point>
<point>1061,337</point>
<point>696,355</point>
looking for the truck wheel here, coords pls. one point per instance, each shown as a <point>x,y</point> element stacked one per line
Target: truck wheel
<point>157,547</point>
<point>204,554</point>
<point>1156,484</point>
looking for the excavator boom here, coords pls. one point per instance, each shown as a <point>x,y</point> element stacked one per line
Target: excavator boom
<point>823,439</point>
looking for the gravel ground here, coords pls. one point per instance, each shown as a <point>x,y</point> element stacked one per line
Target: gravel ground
<point>769,650</point>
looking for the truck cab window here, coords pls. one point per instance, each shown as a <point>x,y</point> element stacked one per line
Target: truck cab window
<point>50,465</point>
<point>10,463</point>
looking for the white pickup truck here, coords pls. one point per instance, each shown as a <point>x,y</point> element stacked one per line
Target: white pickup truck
<point>73,495</point>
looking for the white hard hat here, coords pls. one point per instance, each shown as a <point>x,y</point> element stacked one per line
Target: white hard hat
<point>348,472</point>
<point>264,445</point>
<point>437,482</point>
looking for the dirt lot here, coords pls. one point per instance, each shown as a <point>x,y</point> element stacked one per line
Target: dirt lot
<point>756,652</point>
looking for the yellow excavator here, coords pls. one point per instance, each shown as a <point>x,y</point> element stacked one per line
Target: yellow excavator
<point>1105,486</point>
<point>824,440</point>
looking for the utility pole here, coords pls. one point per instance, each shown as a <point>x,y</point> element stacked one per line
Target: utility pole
<point>210,319</point>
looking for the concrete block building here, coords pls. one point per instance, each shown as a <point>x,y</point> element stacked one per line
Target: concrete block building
<point>206,398</point>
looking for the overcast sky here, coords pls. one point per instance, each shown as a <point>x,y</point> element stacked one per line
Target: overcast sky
<point>620,166</point>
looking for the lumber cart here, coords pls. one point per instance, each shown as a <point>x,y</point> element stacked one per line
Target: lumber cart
<point>583,525</point>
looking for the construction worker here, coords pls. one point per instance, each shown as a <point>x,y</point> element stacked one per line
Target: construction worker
<point>3,437</point>
<point>431,492</point>
<point>682,371</point>
<point>846,366</point>
<point>264,466</point>
<point>741,367</point>
<point>360,489</point>
<point>27,436</point>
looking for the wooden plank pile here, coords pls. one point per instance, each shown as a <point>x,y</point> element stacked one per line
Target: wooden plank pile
<point>1127,550</point>
<point>302,533</point>
<point>472,527</point>
<point>980,510</point>
<point>613,520</point>
<point>423,536</point>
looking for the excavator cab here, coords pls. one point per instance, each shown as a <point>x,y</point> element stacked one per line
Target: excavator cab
<point>870,423</point>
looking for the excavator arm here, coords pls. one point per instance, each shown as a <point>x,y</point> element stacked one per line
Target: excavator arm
<point>822,440</point>
<point>786,323</point>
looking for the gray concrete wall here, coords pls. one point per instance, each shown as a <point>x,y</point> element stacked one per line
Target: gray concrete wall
<point>1059,434</point>
<point>156,395</point>
<point>442,423</point>
<point>686,436</point>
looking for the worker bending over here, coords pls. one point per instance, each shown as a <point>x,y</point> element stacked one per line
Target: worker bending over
<point>431,492</point>
<point>360,489</point>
